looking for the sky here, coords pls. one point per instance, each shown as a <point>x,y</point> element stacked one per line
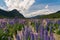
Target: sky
<point>31,8</point>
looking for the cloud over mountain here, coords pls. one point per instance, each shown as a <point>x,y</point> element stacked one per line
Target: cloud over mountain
<point>23,7</point>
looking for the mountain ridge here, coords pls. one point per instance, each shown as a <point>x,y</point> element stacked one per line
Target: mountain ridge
<point>14,13</point>
<point>10,14</point>
<point>52,15</point>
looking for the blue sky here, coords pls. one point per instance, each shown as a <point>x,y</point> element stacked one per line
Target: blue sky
<point>47,1</point>
<point>2,3</point>
<point>40,4</point>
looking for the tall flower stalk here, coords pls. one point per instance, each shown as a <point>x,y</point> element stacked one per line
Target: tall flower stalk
<point>31,36</point>
<point>45,34</point>
<point>51,34</point>
<point>37,26</point>
<point>17,37</point>
<point>41,33</point>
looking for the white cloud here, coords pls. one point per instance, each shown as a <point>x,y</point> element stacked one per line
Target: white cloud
<point>20,5</point>
<point>46,6</point>
<point>54,8</point>
<point>44,11</point>
<point>39,12</point>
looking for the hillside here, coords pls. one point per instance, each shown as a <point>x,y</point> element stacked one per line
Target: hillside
<point>10,14</point>
<point>53,15</point>
<point>14,13</point>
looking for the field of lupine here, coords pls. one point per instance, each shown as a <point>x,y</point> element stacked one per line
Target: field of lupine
<point>29,29</point>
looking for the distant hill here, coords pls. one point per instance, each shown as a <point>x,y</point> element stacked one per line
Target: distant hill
<point>10,14</point>
<point>14,13</point>
<point>53,15</point>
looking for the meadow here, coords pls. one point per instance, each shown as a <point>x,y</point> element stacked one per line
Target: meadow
<point>29,29</point>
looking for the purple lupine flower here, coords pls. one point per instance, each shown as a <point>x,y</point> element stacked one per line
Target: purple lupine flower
<point>23,30</point>
<point>37,26</point>
<point>45,34</point>
<point>50,29</point>
<point>41,32</point>
<point>3,24</point>
<point>11,22</point>
<point>47,28</point>
<point>58,21</point>
<point>48,38</point>
<point>51,36</point>
<point>31,36</point>
<point>17,37</point>
<point>16,20</point>
<point>36,36</point>
<point>47,20</point>
<point>26,33</point>
<point>21,21</point>
<point>23,34</point>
